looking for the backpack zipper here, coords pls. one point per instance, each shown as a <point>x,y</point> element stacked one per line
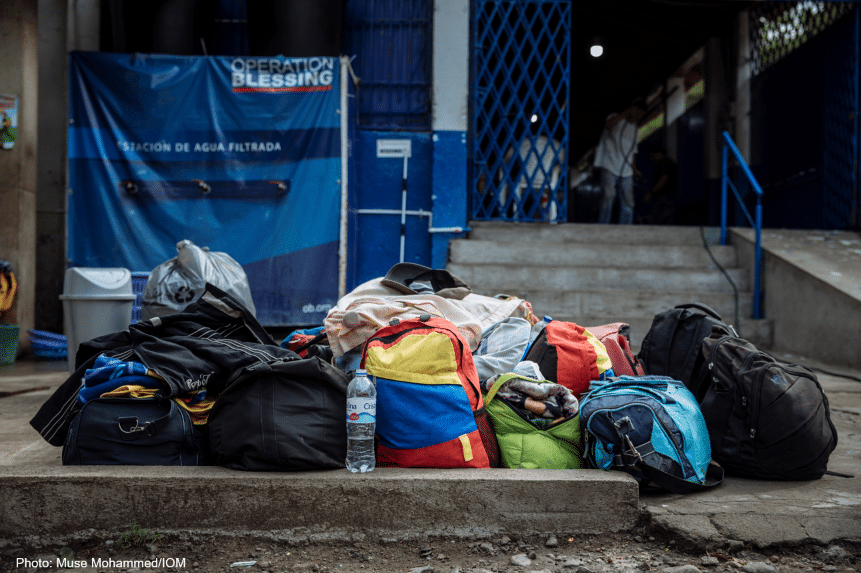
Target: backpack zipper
<point>713,356</point>
<point>755,389</point>
<point>744,364</point>
<point>760,376</point>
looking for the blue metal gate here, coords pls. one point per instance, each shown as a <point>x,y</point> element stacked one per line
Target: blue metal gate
<point>840,126</point>
<point>393,43</point>
<point>805,121</point>
<point>519,109</point>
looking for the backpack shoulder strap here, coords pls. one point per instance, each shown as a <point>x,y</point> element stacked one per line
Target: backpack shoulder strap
<point>714,477</point>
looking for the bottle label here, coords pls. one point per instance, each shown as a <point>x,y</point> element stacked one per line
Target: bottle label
<point>362,410</point>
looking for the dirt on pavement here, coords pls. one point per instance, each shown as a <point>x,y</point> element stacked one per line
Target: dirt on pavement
<point>147,551</point>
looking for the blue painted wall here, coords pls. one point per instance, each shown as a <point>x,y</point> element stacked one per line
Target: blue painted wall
<point>375,240</point>
<point>449,191</point>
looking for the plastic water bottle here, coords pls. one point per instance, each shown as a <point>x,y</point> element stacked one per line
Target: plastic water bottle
<point>537,328</point>
<point>361,423</point>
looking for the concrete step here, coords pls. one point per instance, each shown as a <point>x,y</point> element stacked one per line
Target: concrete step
<point>594,234</point>
<point>586,255</point>
<point>385,504</point>
<point>627,302</point>
<point>492,279</point>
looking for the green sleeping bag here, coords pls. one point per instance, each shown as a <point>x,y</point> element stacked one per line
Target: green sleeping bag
<point>527,439</point>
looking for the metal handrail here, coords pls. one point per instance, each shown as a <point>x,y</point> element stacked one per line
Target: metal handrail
<point>729,144</point>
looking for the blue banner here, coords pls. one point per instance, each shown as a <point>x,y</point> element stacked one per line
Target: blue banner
<point>238,154</point>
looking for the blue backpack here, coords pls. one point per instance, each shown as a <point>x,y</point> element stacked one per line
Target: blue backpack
<point>652,428</point>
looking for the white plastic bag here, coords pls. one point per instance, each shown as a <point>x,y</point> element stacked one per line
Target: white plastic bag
<point>177,283</point>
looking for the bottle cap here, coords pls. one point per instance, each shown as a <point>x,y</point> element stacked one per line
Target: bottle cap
<point>361,372</point>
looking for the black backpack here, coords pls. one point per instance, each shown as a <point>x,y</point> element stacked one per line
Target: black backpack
<point>766,419</point>
<point>288,414</point>
<point>673,345</point>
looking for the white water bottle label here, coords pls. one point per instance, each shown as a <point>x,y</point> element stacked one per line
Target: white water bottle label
<point>362,410</point>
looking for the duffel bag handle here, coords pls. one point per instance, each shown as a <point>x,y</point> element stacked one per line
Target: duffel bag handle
<point>701,306</point>
<point>131,427</point>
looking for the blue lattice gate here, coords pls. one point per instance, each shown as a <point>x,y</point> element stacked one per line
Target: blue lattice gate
<point>805,62</point>
<point>519,112</point>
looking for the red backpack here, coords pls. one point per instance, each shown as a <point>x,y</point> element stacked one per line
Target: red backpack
<point>616,339</point>
<point>570,355</point>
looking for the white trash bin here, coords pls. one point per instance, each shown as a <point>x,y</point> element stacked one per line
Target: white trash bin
<point>95,302</point>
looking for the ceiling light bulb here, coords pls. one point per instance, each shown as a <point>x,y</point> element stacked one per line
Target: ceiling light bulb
<point>596,50</point>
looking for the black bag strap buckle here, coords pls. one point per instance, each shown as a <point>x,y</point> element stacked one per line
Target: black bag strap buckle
<point>630,456</point>
<point>624,426</point>
<point>632,449</point>
<point>136,427</point>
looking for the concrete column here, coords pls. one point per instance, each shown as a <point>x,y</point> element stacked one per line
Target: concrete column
<point>19,57</point>
<point>742,86</point>
<point>52,166</point>
<point>64,25</point>
<point>83,23</point>
<point>449,123</point>
<point>717,118</point>
<point>716,106</point>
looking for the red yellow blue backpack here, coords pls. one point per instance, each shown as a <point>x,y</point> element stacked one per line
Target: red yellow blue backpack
<point>430,411</point>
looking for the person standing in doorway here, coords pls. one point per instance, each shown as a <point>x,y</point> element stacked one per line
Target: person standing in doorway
<point>616,156</point>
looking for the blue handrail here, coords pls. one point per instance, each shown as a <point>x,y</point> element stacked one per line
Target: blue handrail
<point>729,144</point>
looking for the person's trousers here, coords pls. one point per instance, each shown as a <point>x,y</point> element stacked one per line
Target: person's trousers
<point>613,185</point>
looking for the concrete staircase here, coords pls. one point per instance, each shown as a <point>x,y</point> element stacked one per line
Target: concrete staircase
<point>596,274</point>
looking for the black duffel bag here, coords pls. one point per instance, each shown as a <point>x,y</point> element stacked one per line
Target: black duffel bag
<point>134,431</point>
<point>281,415</point>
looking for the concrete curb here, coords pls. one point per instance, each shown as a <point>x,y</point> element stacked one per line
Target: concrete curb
<point>386,504</point>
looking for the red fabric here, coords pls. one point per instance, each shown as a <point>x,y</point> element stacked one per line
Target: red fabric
<point>577,361</point>
<point>298,341</point>
<point>445,455</point>
<point>618,349</point>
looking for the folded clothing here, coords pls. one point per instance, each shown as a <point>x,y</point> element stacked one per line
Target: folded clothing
<point>108,374</point>
<point>550,401</point>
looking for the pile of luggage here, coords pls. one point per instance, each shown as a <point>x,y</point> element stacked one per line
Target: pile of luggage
<point>463,380</point>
